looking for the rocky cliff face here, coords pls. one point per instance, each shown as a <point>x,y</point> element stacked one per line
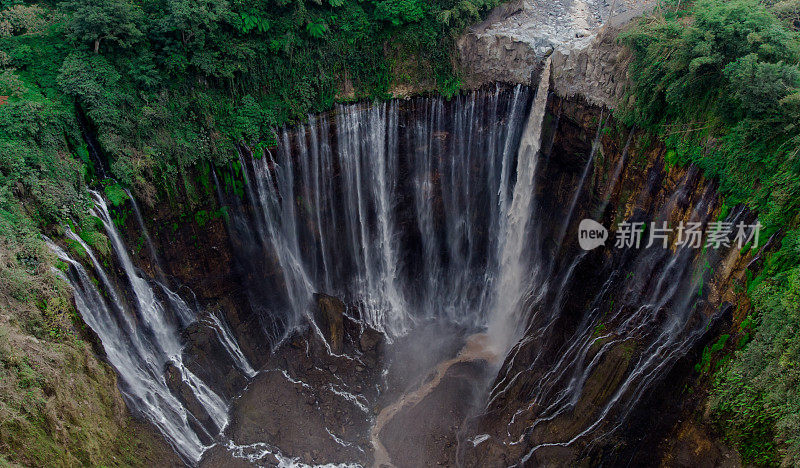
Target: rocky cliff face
<point>596,72</point>
<point>589,73</point>
<point>630,181</point>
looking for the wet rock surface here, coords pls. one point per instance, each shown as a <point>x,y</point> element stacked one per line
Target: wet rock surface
<point>306,404</point>
<point>329,317</point>
<point>313,407</point>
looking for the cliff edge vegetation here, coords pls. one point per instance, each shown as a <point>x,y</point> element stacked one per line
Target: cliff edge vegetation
<point>719,82</point>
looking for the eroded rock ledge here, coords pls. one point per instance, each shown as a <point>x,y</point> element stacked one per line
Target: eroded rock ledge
<point>511,44</point>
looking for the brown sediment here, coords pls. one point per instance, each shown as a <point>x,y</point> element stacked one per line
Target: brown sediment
<point>475,349</point>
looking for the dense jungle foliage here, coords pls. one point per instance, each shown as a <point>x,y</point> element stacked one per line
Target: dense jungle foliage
<point>160,87</point>
<point>719,82</point>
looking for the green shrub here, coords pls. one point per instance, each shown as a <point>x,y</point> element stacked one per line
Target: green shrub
<point>116,194</point>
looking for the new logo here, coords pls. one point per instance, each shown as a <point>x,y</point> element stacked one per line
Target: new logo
<point>591,234</point>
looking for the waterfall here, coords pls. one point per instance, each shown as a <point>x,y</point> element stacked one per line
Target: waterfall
<point>514,271</point>
<point>230,344</point>
<point>159,270</point>
<point>455,164</point>
<point>385,209</point>
<point>149,308</point>
<point>428,209</point>
<point>135,359</point>
<point>368,157</point>
<point>142,338</point>
<point>645,310</point>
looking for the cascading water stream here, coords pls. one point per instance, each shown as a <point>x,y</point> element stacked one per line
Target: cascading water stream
<point>653,320</point>
<point>515,270</point>
<point>136,360</point>
<point>143,338</point>
<point>159,269</point>
<point>596,145</point>
<point>228,341</point>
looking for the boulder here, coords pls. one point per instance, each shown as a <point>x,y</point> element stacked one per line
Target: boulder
<point>329,317</point>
